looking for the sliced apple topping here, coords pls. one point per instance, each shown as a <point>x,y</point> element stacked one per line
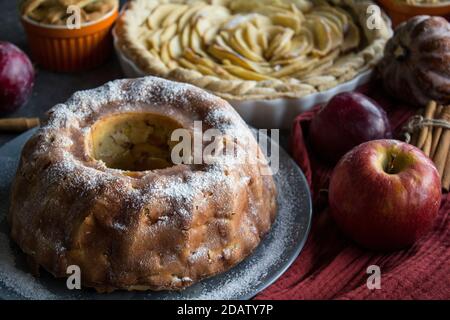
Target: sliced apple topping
<point>248,39</point>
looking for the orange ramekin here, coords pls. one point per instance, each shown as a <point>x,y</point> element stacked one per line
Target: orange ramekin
<point>399,12</point>
<point>59,48</point>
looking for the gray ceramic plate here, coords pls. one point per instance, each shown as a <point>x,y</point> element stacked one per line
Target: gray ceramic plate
<point>274,255</point>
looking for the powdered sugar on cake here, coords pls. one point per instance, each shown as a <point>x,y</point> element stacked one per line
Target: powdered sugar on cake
<point>147,91</point>
<point>239,282</point>
<point>149,225</point>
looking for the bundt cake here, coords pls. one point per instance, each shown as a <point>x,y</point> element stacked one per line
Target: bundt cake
<point>96,187</point>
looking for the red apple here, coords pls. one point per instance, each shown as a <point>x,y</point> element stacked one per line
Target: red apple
<point>16,77</point>
<point>385,194</point>
<point>348,119</point>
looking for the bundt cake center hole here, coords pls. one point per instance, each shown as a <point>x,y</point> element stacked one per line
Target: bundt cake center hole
<point>134,141</point>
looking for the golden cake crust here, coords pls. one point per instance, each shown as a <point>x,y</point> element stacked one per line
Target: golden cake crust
<point>337,66</point>
<point>155,229</point>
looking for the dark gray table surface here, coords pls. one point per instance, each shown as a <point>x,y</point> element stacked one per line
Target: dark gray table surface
<point>51,88</point>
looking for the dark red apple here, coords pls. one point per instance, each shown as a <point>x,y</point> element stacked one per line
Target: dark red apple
<point>16,77</point>
<point>348,119</point>
<point>385,194</point>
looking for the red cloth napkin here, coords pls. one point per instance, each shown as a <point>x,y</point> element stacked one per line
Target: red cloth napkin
<point>333,267</point>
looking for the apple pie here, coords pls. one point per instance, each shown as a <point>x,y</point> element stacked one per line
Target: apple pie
<point>253,49</point>
<point>56,12</point>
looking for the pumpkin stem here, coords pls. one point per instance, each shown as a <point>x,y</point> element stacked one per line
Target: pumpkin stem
<point>400,53</point>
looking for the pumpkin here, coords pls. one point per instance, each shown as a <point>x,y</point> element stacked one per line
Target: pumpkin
<point>416,63</point>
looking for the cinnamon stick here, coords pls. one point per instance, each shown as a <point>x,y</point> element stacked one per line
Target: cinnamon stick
<point>446,176</point>
<point>428,114</point>
<point>437,131</point>
<point>427,145</point>
<point>18,124</point>
<point>442,150</point>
